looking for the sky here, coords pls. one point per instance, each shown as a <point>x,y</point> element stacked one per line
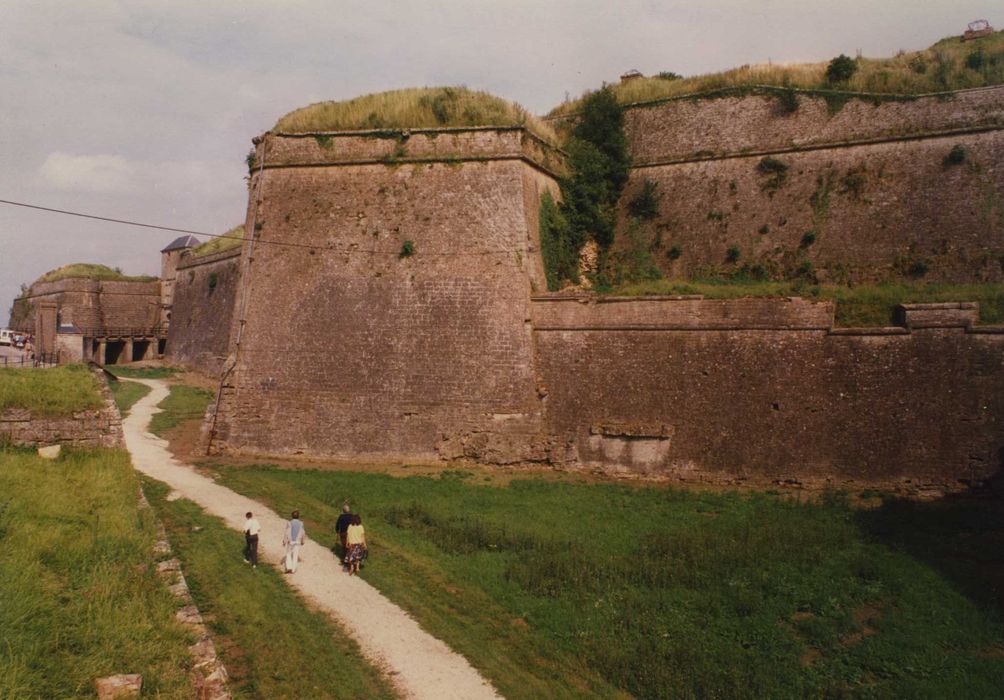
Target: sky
<point>145,110</point>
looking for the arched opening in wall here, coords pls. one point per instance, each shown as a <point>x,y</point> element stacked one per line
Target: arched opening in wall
<point>161,346</point>
<point>113,351</point>
<point>139,349</point>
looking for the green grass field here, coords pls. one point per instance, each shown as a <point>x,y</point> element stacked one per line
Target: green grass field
<point>571,590</point>
<point>79,595</point>
<point>56,391</point>
<point>271,643</point>
<point>126,394</point>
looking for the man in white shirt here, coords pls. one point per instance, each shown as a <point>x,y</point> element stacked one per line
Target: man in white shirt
<point>251,530</point>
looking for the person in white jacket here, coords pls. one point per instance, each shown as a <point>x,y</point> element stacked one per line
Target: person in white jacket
<point>292,540</point>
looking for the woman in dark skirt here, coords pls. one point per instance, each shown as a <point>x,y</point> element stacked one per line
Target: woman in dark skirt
<point>355,542</point>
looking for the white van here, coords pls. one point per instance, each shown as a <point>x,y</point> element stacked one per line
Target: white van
<point>6,336</point>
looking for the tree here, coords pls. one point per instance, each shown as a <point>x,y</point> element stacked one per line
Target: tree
<point>841,69</point>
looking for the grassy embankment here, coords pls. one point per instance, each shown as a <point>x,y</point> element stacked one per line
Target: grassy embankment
<point>79,595</point>
<point>414,108</point>
<point>863,305</point>
<point>578,590</point>
<point>231,239</point>
<point>56,391</point>
<point>947,65</point>
<point>92,271</point>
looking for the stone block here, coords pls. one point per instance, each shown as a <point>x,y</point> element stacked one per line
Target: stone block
<point>119,687</point>
<point>51,452</point>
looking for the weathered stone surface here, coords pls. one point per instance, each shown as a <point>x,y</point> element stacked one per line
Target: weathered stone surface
<point>119,687</point>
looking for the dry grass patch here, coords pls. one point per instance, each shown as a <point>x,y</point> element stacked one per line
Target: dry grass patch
<point>413,108</point>
<point>231,239</point>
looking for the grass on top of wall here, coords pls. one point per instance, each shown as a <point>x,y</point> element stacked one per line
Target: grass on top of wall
<point>53,391</point>
<point>92,271</point>
<point>413,108</point>
<point>859,306</point>
<point>570,590</point>
<point>271,642</point>
<point>79,594</point>
<point>947,65</point>
<point>231,239</point>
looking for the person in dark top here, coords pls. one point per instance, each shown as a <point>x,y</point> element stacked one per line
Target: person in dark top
<point>342,526</point>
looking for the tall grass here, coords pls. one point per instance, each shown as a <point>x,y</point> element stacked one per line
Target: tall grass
<point>943,67</point>
<point>55,391</point>
<point>577,590</point>
<point>413,108</point>
<point>79,596</point>
<point>861,305</point>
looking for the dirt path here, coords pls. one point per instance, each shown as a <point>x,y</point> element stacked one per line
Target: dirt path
<point>418,664</point>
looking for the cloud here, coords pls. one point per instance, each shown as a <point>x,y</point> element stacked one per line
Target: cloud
<point>97,173</point>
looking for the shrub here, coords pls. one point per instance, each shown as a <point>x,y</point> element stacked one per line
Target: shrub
<point>732,254</point>
<point>645,204</point>
<point>213,280</point>
<point>676,251</point>
<point>251,160</point>
<point>764,230</point>
<point>918,64</point>
<point>808,239</point>
<point>918,268</point>
<point>775,169</point>
<point>956,156</point>
<point>976,59</point>
<point>841,69</point>
<point>407,249</point>
<point>560,254</point>
<point>669,75</point>
<point>787,101</point>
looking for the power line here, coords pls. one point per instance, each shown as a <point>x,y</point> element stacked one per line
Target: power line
<point>318,247</point>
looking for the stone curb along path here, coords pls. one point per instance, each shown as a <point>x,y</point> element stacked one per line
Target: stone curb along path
<point>418,665</point>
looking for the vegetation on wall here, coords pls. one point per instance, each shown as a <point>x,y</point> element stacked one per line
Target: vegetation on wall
<point>231,239</point>
<point>841,69</point>
<point>92,271</point>
<point>947,65</point>
<point>413,108</point>
<point>598,163</point>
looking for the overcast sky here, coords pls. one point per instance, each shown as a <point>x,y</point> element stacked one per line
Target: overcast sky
<point>145,110</point>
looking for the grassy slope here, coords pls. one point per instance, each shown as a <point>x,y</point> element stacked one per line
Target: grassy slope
<point>91,271</point>
<point>863,305</point>
<point>79,597</point>
<point>231,239</point>
<point>271,643</point>
<point>183,403</point>
<point>126,394</point>
<point>941,67</point>
<point>58,391</point>
<point>549,588</point>
<point>413,108</point>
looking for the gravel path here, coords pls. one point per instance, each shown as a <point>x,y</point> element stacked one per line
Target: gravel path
<point>418,664</point>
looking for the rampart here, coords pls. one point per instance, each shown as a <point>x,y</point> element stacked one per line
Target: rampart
<point>766,390</point>
<point>865,193</point>
<point>94,306</point>
<point>395,319</point>
<point>101,427</point>
<point>205,292</point>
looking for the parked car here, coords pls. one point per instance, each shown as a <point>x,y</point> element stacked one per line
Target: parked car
<point>19,340</point>
<point>6,336</point>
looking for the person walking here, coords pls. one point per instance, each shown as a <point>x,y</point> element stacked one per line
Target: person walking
<point>355,538</point>
<point>342,526</point>
<point>251,530</point>
<point>292,540</point>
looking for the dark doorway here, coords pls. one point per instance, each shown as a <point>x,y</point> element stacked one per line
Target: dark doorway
<point>139,349</point>
<point>113,351</point>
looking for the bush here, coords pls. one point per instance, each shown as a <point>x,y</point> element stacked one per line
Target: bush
<point>956,156</point>
<point>407,249</point>
<point>645,204</point>
<point>732,254</point>
<point>674,253</point>
<point>808,239</point>
<point>559,251</point>
<point>841,69</point>
<point>669,75</point>
<point>776,169</point>
<point>976,59</point>
<point>787,101</point>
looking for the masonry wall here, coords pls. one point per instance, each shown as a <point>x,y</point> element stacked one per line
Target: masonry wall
<point>869,182</point>
<point>762,390</point>
<point>95,306</point>
<point>205,292</point>
<point>83,429</point>
<point>351,347</point>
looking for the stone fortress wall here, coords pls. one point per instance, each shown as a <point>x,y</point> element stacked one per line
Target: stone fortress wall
<point>350,348</point>
<point>93,305</point>
<point>396,319</point>
<point>204,295</point>
<point>869,180</point>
